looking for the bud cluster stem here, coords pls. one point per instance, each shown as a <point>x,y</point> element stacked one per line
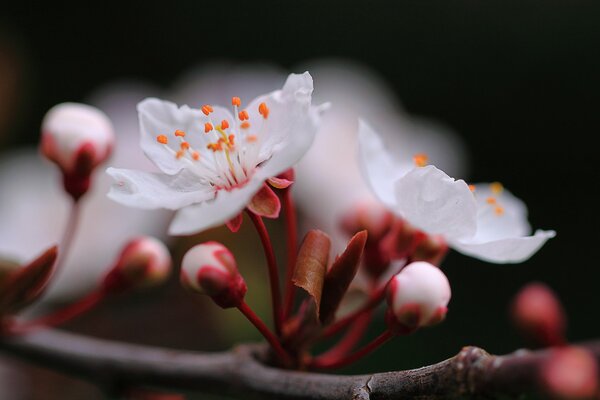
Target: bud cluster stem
<point>292,249</point>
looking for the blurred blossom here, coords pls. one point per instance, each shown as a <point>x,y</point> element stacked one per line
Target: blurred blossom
<point>34,208</point>
<point>330,171</point>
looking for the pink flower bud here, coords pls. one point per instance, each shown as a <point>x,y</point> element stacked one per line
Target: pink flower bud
<point>538,314</point>
<point>76,137</point>
<point>210,268</point>
<point>145,261</point>
<point>417,296</point>
<point>570,373</point>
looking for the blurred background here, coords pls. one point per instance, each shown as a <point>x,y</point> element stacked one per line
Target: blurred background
<point>516,82</point>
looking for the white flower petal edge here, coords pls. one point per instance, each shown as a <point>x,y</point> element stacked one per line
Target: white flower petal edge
<point>505,251</point>
<point>210,214</point>
<point>379,169</point>
<point>436,203</point>
<point>215,156</point>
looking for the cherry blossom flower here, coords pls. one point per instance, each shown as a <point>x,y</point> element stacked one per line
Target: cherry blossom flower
<point>213,162</point>
<point>484,220</point>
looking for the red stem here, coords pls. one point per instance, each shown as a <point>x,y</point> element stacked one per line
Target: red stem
<point>61,316</point>
<point>324,363</point>
<point>267,334</point>
<point>374,299</point>
<point>352,337</point>
<point>68,234</point>
<point>292,248</point>
<point>273,270</point>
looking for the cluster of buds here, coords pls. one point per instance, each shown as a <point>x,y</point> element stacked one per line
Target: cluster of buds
<point>143,262</point>
<point>210,268</point>
<point>417,297</point>
<point>77,138</point>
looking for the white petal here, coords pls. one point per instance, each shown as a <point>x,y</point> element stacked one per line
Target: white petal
<point>212,213</point>
<point>158,117</point>
<point>436,203</point>
<point>148,190</point>
<point>379,169</point>
<point>510,223</point>
<point>508,250</point>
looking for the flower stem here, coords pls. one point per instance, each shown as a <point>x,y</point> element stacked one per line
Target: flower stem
<point>68,234</point>
<point>352,337</point>
<point>326,363</point>
<point>61,316</point>
<point>267,334</point>
<point>374,299</point>
<point>272,266</point>
<point>292,248</point>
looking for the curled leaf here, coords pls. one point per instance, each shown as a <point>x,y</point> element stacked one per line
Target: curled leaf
<point>340,275</point>
<point>26,284</point>
<point>265,203</point>
<point>311,265</point>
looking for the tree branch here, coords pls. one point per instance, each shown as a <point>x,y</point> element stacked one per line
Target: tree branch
<point>472,372</point>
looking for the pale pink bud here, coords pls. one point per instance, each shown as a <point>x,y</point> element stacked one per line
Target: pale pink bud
<point>417,296</point>
<point>210,268</point>
<point>570,373</point>
<point>76,137</point>
<point>144,262</point>
<point>537,312</point>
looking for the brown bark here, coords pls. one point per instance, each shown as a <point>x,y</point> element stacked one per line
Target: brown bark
<point>472,373</point>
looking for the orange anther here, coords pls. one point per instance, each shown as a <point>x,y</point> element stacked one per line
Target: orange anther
<point>207,109</point>
<point>224,124</point>
<point>179,154</point>
<point>499,210</point>
<point>490,200</point>
<point>179,133</point>
<point>245,125</point>
<point>185,145</point>
<point>420,159</point>
<point>243,115</point>
<point>472,188</point>
<point>252,138</point>
<point>208,127</point>
<point>263,110</point>
<point>196,156</point>
<point>162,139</point>
<point>231,140</point>
<point>496,188</point>
<point>236,101</point>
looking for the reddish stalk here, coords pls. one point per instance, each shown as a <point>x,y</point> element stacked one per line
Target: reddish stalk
<point>352,337</point>
<point>374,299</point>
<point>68,234</point>
<point>61,316</point>
<point>292,248</point>
<point>331,363</point>
<point>272,267</point>
<point>284,358</point>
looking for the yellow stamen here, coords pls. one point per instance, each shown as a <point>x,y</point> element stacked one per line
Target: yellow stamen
<point>207,109</point>
<point>179,154</point>
<point>224,124</point>
<point>162,139</point>
<point>195,155</point>
<point>472,188</point>
<point>496,188</point>
<point>499,210</point>
<point>491,200</point>
<point>245,125</point>
<point>263,110</point>
<point>236,101</point>
<point>185,145</point>
<point>251,138</point>
<point>420,159</point>
<point>179,133</point>
<point>208,127</point>
<point>243,115</point>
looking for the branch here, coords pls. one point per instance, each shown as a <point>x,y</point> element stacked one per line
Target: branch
<point>472,372</point>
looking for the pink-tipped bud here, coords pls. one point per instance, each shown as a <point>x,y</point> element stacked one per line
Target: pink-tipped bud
<point>210,268</point>
<point>76,137</point>
<point>538,314</point>
<point>570,373</point>
<point>144,262</point>
<point>417,296</point>
<point>371,216</point>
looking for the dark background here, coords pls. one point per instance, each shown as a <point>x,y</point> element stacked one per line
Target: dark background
<point>519,81</point>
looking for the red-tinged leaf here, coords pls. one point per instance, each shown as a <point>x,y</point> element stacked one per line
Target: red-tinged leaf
<point>311,265</point>
<point>279,183</point>
<point>265,203</point>
<point>235,223</point>
<point>7,268</point>
<point>340,275</point>
<point>26,284</point>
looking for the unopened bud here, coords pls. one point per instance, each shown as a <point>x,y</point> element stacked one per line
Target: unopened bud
<point>417,296</point>
<point>210,268</point>
<point>76,137</point>
<point>538,314</point>
<point>570,373</point>
<point>371,216</point>
<point>144,262</point>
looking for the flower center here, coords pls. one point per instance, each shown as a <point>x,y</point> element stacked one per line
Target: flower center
<point>496,188</point>
<point>228,152</point>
